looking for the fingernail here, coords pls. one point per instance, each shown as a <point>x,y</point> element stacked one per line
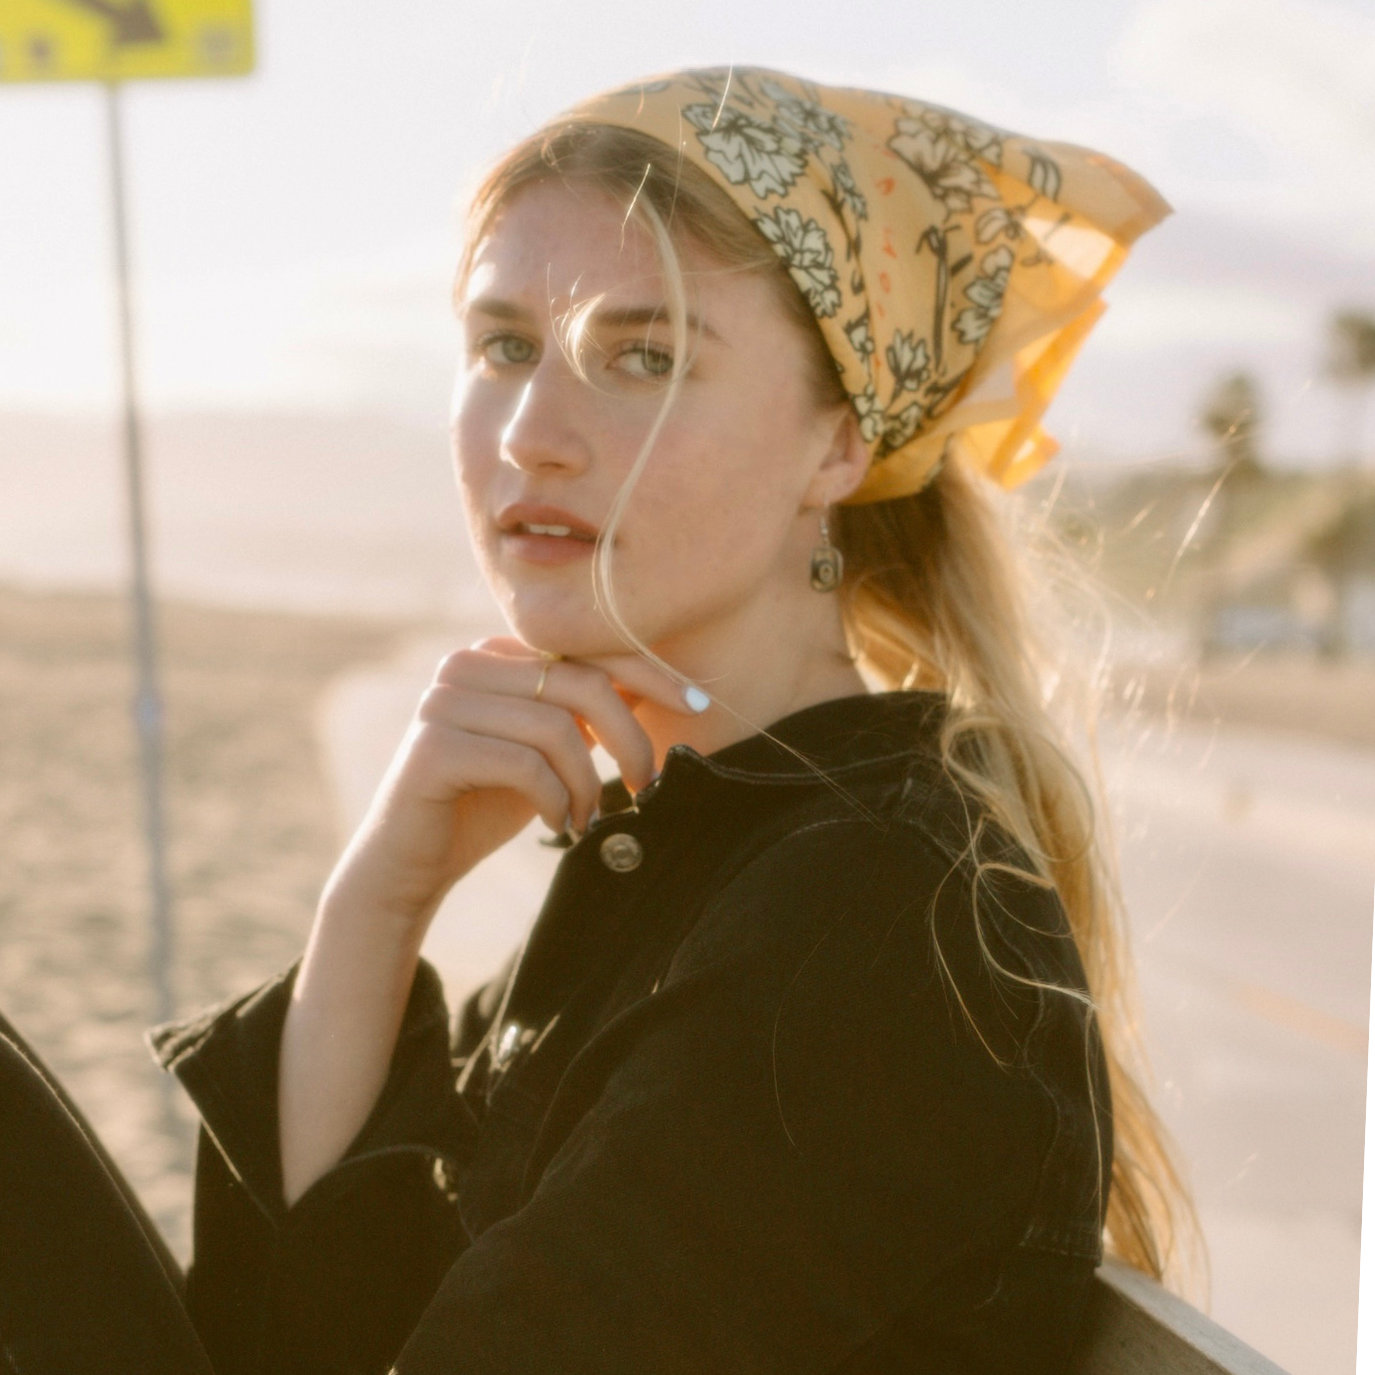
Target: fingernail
<point>563,839</point>
<point>695,698</point>
<point>594,818</point>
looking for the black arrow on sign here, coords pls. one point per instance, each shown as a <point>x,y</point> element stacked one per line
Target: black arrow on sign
<point>133,23</point>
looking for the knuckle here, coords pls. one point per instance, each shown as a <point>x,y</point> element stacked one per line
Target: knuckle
<point>530,765</point>
<point>429,745</point>
<point>455,665</point>
<point>566,736</point>
<point>435,702</point>
<point>599,682</point>
<point>577,679</point>
<point>601,691</point>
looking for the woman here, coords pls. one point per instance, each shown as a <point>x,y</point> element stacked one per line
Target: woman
<point>815,1058</point>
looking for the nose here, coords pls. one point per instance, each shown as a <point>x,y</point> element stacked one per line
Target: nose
<point>545,434</point>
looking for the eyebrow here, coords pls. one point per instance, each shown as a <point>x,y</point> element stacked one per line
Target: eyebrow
<point>613,316</point>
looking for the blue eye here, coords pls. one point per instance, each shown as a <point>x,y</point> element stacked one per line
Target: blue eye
<point>506,348</point>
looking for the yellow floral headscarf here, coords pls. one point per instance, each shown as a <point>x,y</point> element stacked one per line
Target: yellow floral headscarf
<point>954,268</point>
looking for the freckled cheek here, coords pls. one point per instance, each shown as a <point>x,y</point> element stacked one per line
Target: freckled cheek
<point>698,524</point>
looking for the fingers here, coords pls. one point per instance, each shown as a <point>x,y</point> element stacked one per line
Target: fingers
<point>638,675</point>
<point>506,669</point>
<point>535,747</point>
<point>646,680</point>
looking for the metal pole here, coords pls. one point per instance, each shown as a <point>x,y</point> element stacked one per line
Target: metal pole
<point>147,702</point>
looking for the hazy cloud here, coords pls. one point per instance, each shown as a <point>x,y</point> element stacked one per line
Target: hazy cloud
<point>1294,78</point>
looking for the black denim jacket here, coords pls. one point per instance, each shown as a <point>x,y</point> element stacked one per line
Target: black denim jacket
<point>749,1099</point>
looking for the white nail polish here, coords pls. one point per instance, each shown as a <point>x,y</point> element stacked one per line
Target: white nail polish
<point>696,699</point>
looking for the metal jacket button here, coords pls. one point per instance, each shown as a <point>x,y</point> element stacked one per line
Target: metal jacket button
<point>621,853</point>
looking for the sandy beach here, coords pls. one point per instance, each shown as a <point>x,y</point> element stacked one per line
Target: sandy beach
<point>252,834</point>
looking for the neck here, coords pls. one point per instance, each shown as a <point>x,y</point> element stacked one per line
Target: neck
<point>764,664</point>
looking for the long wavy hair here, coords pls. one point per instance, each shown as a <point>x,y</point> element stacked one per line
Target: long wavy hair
<point>936,596</point>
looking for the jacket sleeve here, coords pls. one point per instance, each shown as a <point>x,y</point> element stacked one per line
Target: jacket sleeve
<point>795,1143</point>
<point>275,1289</point>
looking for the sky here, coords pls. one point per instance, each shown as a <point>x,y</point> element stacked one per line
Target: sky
<point>294,231</point>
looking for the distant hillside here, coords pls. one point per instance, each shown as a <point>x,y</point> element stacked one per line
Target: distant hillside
<point>279,510</point>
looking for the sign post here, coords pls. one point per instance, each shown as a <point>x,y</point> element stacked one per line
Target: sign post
<point>112,41</point>
<point>147,698</point>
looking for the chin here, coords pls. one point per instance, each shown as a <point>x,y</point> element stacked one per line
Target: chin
<point>559,624</point>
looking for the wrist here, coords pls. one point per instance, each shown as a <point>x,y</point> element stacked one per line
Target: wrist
<point>362,910</point>
<point>361,889</point>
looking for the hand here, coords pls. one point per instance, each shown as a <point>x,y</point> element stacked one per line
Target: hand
<point>482,757</point>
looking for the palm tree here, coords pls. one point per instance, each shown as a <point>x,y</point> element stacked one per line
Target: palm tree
<point>1351,366</point>
<point>1232,415</point>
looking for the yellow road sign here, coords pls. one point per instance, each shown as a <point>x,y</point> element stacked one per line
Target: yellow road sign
<point>118,40</point>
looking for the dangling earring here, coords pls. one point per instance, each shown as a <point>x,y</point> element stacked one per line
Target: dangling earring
<point>827,563</point>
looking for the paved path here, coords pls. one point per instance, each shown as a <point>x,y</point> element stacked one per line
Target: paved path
<point>1248,864</point>
<point>1249,861</point>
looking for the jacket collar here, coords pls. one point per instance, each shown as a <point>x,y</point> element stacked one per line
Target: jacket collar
<point>845,732</point>
<point>841,736</point>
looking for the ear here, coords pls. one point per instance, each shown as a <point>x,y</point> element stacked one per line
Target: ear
<point>844,465</point>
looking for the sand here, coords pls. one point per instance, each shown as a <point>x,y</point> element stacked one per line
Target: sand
<point>252,835</point>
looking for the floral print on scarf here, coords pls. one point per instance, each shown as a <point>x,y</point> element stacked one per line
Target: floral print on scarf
<point>954,268</point>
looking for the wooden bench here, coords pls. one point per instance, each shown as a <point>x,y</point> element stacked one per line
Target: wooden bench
<point>1134,1327</point>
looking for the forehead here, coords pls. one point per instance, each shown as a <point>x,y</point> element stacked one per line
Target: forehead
<point>559,241</point>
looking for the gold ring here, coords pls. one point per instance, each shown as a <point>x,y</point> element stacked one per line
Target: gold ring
<point>549,660</point>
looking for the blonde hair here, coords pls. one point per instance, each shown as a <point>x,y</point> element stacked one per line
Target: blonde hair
<point>934,597</point>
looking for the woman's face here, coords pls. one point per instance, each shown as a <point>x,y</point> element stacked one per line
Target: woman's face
<point>716,528</point>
